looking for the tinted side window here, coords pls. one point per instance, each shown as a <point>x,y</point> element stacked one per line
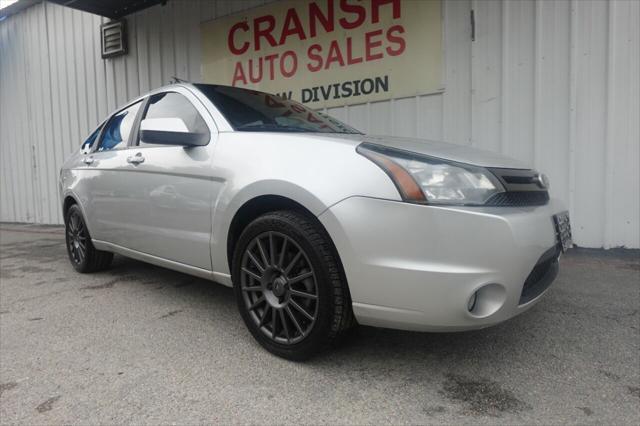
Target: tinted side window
<point>116,134</point>
<point>175,105</point>
<point>87,144</point>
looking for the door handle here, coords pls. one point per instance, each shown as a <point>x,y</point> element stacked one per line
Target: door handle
<point>135,159</point>
<point>88,160</point>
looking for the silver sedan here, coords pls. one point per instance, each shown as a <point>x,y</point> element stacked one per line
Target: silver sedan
<point>316,226</point>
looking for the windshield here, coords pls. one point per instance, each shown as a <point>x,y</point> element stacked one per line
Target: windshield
<point>252,111</point>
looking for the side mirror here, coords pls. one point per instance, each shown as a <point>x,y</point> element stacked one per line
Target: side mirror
<point>170,131</point>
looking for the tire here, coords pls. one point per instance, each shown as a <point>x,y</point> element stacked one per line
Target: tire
<point>289,285</point>
<point>83,255</point>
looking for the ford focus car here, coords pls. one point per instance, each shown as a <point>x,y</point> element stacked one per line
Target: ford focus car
<point>316,226</point>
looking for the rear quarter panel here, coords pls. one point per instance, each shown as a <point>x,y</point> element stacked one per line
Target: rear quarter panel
<point>71,183</point>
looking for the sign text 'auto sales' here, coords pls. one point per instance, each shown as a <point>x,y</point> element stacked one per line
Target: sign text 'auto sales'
<point>328,52</point>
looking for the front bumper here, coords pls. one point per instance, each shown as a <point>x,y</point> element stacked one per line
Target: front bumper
<point>415,267</point>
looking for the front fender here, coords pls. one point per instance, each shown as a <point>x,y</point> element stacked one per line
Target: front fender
<point>225,210</point>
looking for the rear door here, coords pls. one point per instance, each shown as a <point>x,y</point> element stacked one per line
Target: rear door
<point>177,185</point>
<point>106,176</point>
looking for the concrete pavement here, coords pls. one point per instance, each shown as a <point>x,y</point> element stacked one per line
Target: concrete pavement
<point>142,344</point>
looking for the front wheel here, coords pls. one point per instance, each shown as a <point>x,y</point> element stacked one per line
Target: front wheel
<point>289,286</point>
<point>83,255</point>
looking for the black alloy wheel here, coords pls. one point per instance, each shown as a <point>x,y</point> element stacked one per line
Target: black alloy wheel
<point>77,237</point>
<point>83,255</point>
<point>289,285</point>
<point>279,287</point>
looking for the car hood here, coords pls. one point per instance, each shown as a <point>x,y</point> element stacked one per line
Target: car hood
<point>446,151</point>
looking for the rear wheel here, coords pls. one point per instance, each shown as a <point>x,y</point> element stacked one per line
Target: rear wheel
<point>83,255</point>
<point>289,286</point>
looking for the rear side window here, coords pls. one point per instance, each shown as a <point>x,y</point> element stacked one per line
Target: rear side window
<point>116,133</point>
<point>175,105</point>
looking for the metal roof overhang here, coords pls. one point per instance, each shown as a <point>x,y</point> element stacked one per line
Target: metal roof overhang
<point>16,7</point>
<point>113,9</point>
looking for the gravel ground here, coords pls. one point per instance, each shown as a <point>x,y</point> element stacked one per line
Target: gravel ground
<point>142,344</point>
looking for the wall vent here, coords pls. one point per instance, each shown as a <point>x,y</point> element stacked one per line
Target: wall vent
<point>114,38</point>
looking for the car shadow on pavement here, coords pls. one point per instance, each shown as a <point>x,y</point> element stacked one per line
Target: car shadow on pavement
<point>483,371</point>
<point>361,342</point>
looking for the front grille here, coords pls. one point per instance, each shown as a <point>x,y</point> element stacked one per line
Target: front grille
<point>523,188</point>
<point>541,276</point>
<point>519,199</point>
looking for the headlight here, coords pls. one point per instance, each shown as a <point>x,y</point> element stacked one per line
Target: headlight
<point>424,179</point>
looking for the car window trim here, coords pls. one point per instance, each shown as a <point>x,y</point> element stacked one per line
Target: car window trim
<point>134,137</point>
<point>94,149</point>
<point>147,100</point>
<point>220,123</point>
<point>98,128</point>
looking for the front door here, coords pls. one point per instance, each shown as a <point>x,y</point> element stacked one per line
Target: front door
<point>177,186</point>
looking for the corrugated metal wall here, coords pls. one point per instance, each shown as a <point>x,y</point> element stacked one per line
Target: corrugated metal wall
<point>553,83</point>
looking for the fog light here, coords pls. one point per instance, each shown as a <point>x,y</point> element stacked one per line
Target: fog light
<point>471,304</point>
<point>486,300</point>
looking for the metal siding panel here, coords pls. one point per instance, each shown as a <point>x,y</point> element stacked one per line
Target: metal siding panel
<point>486,65</point>
<point>359,117</point>
<point>457,72</point>
<point>91,93</point>
<point>53,126</point>
<point>46,155</point>
<point>155,52</point>
<point>33,124</point>
<point>38,91</point>
<point>194,43</point>
<point>180,37</point>
<point>380,118</point>
<point>60,93</point>
<point>518,91</point>
<point>120,84</point>
<point>239,5</point>
<point>13,135</point>
<point>30,82</point>
<point>222,8</point>
<point>60,81</point>
<point>5,203</point>
<point>588,214</point>
<point>623,126</point>
<point>552,106</point>
<point>101,71</point>
<point>404,117</point>
<point>167,47</point>
<point>15,148</point>
<point>81,72</point>
<point>132,66</point>
<point>21,141</point>
<point>110,81</point>
<point>429,115</point>
<point>5,200</point>
<point>24,135</point>
<point>45,102</point>
<point>142,48</point>
<point>7,59</point>
<point>207,9</point>
<point>72,84</point>
<point>338,112</point>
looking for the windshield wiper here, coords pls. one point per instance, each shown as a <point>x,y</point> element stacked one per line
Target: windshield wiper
<point>254,127</point>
